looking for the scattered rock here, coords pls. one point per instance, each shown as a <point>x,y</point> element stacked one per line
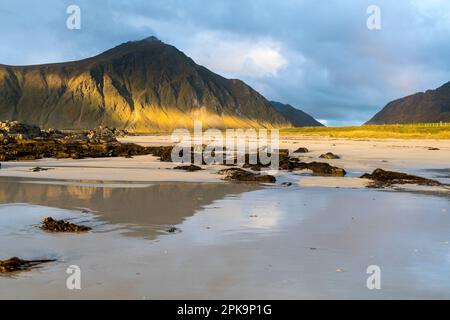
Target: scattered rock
<point>190,168</point>
<point>237,174</point>
<point>15,264</point>
<point>329,155</point>
<point>301,150</point>
<point>51,225</point>
<point>22,142</point>
<point>382,178</point>
<point>286,184</point>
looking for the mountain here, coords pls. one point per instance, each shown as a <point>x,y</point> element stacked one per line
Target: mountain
<point>297,117</point>
<point>429,106</point>
<point>141,86</point>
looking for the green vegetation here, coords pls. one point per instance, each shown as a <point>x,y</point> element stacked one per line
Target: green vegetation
<point>397,131</point>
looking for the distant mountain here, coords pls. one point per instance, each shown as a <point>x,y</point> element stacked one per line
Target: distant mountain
<point>429,106</point>
<point>140,85</point>
<point>297,117</point>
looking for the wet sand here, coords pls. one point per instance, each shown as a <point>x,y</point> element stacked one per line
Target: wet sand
<point>236,241</point>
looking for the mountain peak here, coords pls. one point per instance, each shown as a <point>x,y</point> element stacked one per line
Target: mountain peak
<point>151,39</point>
<point>143,85</point>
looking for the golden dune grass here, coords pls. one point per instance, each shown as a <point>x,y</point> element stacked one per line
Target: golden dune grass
<point>405,131</point>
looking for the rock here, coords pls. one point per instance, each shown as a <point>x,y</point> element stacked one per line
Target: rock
<point>51,225</point>
<point>20,131</point>
<point>254,167</point>
<point>382,178</point>
<point>100,142</point>
<point>247,176</point>
<point>190,168</point>
<point>288,164</point>
<point>228,170</point>
<point>15,264</point>
<point>329,155</point>
<point>164,153</point>
<point>39,169</point>
<point>173,230</point>
<point>286,184</point>
<point>301,150</point>
<point>318,168</point>
<point>51,134</point>
<point>321,169</point>
<point>434,149</point>
<point>101,134</point>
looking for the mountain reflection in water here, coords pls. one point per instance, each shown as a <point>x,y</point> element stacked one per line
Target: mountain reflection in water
<point>145,210</point>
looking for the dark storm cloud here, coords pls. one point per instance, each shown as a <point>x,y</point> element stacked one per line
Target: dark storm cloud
<point>316,55</point>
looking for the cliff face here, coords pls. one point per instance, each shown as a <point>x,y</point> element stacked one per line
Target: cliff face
<point>142,86</point>
<point>429,106</point>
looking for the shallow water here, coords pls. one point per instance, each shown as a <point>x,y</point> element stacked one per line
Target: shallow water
<point>236,241</point>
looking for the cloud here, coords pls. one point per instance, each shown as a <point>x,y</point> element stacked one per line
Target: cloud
<point>225,53</point>
<point>237,56</point>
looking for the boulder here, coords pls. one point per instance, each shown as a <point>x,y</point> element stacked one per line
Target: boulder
<point>321,169</point>
<point>329,155</point>
<point>301,150</point>
<point>382,178</point>
<point>237,174</point>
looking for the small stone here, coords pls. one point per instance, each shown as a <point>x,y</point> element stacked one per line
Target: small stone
<point>286,184</point>
<point>173,230</point>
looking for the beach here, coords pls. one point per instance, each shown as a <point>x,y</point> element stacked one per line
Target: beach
<point>312,240</point>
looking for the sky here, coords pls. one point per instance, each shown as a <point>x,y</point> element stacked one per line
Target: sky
<point>318,56</point>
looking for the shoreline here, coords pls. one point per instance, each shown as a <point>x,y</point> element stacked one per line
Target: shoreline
<point>356,157</point>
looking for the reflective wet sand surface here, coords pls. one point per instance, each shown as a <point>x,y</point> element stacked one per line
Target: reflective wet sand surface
<point>236,241</point>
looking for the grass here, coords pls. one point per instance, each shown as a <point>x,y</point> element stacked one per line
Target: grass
<point>400,131</point>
